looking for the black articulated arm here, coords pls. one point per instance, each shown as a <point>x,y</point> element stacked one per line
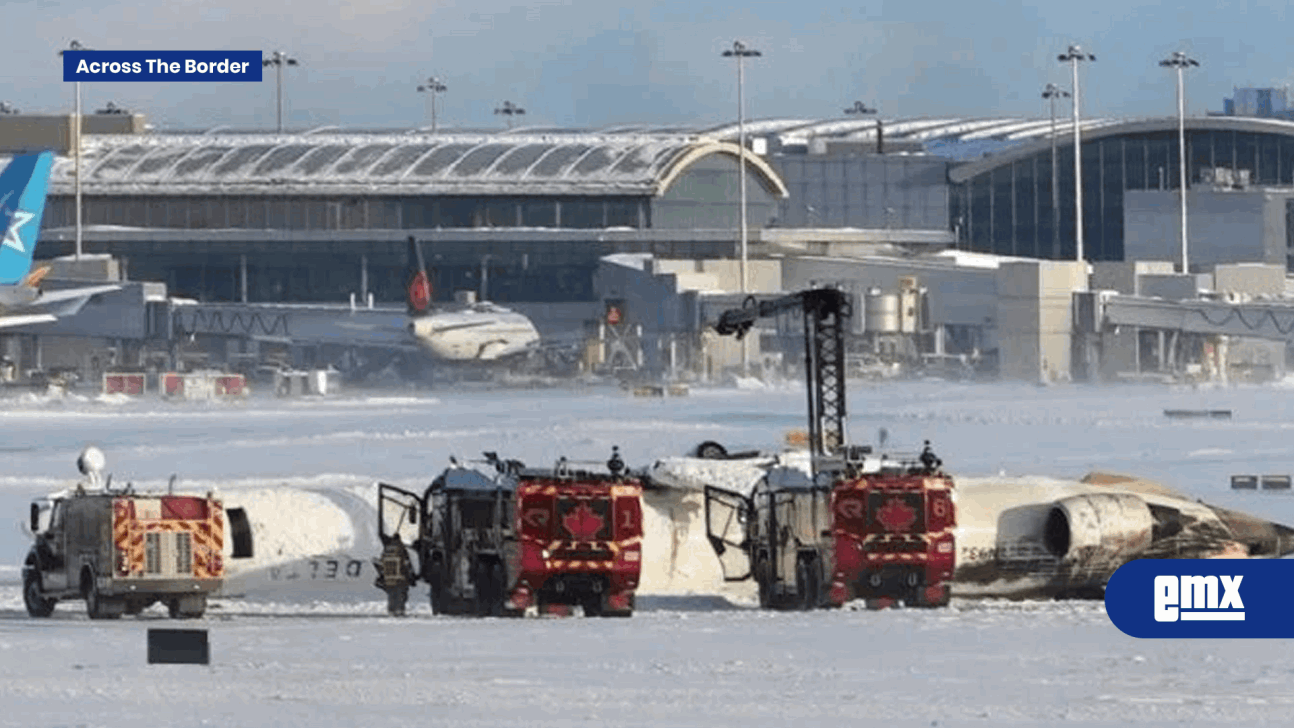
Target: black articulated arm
<point>825,311</point>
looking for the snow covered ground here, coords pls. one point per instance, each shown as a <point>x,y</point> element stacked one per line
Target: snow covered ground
<point>683,659</point>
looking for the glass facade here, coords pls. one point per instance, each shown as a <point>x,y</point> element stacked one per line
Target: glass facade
<point>259,212</point>
<point>1010,209</point>
<point>333,277</point>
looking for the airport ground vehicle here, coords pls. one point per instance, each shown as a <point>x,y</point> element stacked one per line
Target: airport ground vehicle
<point>122,551</point>
<point>845,524</point>
<point>496,538</point>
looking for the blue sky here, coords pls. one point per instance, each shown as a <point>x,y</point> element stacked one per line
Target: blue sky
<point>588,63</point>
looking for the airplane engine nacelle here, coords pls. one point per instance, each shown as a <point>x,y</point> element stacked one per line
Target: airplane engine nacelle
<point>1098,531</point>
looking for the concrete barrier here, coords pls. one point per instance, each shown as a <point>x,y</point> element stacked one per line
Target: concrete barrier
<point>132,383</point>
<point>202,385</point>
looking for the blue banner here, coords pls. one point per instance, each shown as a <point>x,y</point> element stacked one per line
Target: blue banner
<point>1177,598</point>
<point>186,66</point>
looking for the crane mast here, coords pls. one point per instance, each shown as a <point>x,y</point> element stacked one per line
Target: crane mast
<point>825,311</point>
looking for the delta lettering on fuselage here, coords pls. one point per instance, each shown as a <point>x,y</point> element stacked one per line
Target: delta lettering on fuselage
<point>1195,598</point>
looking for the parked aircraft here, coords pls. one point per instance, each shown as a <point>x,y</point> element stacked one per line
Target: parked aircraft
<point>1027,537</point>
<point>23,187</point>
<point>481,331</point>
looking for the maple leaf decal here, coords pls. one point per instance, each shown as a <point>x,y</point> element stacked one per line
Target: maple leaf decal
<point>896,516</point>
<point>582,523</point>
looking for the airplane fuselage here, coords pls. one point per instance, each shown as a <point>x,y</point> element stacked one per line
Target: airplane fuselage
<point>481,332</point>
<point>1030,537</point>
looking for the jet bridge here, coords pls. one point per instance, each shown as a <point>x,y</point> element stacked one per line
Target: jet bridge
<point>1099,311</point>
<point>301,324</point>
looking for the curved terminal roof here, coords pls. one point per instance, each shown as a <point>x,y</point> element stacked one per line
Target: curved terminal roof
<point>1019,144</point>
<point>445,164</point>
<point>623,160</point>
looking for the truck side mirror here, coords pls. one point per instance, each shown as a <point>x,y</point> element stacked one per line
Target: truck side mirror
<point>413,514</point>
<point>35,518</point>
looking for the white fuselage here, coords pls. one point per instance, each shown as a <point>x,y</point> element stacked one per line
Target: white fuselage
<point>480,332</point>
<point>1003,524</point>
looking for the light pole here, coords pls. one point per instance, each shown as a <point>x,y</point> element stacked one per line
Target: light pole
<point>1073,56</point>
<point>485,275</point>
<point>433,86</point>
<point>1051,93</point>
<point>741,52</point>
<point>1181,62</point>
<point>76,148</point>
<point>861,108</point>
<point>279,59</point>
<point>509,110</point>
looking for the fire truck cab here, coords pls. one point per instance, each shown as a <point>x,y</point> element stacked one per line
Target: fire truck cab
<point>496,538</point>
<point>863,528</point>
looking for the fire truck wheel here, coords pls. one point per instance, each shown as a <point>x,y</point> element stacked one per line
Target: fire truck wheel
<point>97,606</point>
<point>606,612</point>
<point>191,607</point>
<point>37,605</point>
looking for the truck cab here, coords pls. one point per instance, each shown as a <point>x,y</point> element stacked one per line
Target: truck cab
<point>495,538</point>
<point>822,533</point>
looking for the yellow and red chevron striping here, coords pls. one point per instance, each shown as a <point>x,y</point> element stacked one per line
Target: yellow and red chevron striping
<point>206,538</point>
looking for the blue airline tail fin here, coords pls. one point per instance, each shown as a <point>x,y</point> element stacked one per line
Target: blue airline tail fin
<point>23,186</point>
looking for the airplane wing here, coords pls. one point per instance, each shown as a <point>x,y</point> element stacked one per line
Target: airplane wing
<point>26,320</point>
<point>69,301</point>
<point>73,294</point>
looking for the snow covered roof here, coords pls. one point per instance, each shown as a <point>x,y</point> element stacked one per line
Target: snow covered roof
<point>554,163</point>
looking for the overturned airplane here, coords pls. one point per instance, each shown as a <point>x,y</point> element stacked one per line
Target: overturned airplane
<point>1022,537</point>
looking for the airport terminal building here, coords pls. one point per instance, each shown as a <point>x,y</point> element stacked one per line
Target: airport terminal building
<point>524,215</point>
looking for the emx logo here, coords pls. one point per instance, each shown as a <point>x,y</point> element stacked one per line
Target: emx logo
<point>1202,598</point>
<point>1196,598</point>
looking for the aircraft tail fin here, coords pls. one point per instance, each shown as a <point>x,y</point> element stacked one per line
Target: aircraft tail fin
<point>23,186</point>
<point>417,284</point>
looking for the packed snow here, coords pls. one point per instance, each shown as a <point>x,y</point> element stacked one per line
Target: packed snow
<point>696,652</point>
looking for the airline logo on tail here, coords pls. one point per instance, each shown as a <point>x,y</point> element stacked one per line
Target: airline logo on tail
<point>23,186</point>
<point>418,284</point>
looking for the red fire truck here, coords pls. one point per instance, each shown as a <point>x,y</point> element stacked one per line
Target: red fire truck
<point>495,538</point>
<point>842,524</point>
